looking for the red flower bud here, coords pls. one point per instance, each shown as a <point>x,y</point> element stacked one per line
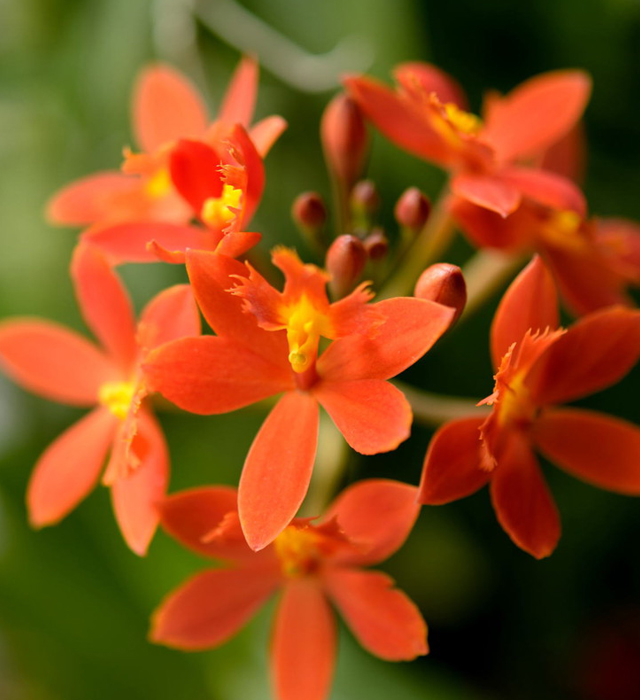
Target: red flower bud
<point>376,244</point>
<point>309,211</point>
<point>344,139</point>
<point>412,209</point>
<point>345,262</point>
<point>365,198</point>
<point>444,284</point>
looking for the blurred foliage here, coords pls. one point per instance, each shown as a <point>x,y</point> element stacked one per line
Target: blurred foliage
<point>74,602</point>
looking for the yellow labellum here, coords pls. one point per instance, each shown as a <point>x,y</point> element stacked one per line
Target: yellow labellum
<point>218,211</point>
<point>117,397</point>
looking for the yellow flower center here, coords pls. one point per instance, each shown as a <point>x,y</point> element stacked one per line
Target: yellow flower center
<point>514,403</point>
<point>304,324</point>
<point>563,230</point>
<point>117,397</point>
<point>463,121</point>
<point>297,550</point>
<point>159,184</point>
<point>219,211</point>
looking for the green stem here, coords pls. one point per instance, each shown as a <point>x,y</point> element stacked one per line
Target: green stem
<point>485,273</point>
<point>331,463</point>
<point>434,409</point>
<point>428,246</point>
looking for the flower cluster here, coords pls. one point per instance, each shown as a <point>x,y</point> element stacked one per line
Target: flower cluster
<point>323,341</point>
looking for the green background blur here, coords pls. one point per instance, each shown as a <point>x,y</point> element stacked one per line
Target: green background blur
<point>74,602</point>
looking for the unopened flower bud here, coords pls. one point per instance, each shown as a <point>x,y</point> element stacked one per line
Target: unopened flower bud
<point>309,213</point>
<point>344,139</point>
<point>345,262</point>
<point>412,209</point>
<point>365,198</point>
<point>309,210</point>
<point>376,244</point>
<point>444,284</point>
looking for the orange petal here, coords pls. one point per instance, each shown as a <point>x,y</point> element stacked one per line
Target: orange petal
<point>212,276</point>
<point>382,618</point>
<point>353,315</point>
<point>546,188</point>
<point>567,157</point>
<point>620,238</point>
<point>587,280</point>
<point>130,241</point>
<point>597,448</point>
<point>487,191</point>
<point>277,471</point>
<point>53,362</point>
<point>486,229</point>
<point>69,468</point>
<point>239,100</point>
<point>245,153</point>
<point>266,132</point>
<point>89,199</point>
<point>377,516</point>
<point>372,415</point>
<point>452,463</point>
<point>105,304</point>
<point>593,354</point>
<point>427,78</point>
<point>211,607</point>
<point>212,375</point>
<point>195,172</point>
<point>169,315</point>
<point>166,107</point>
<point>191,516</point>
<point>236,243</point>
<point>522,501</point>
<point>411,327</point>
<point>530,303</point>
<point>303,647</point>
<point>398,118</point>
<point>537,113</point>
<point>136,496</point>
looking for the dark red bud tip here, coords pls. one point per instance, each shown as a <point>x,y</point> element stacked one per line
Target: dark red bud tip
<point>344,139</point>
<point>365,198</point>
<point>345,262</point>
<point>444,284</point>
<point>309,211</point>
<point>376,244</point>
<point>412,209</point>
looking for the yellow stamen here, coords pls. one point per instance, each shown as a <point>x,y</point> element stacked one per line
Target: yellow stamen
<point>117,397</point>
<point>297,550</point>
<point>159,184</point>
<point>304,324</point>
<point>219,211</point>
<point>463,121</point>
<point>514,405</point>
<point>563,229</point>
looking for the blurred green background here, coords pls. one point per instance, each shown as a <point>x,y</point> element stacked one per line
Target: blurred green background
<point>74,602</point>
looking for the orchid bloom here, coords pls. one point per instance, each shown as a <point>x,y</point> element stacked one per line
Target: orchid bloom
<point>267,343</point>
<point>188,169</point>
<point>312,563</point>
<point>593,260</point>
<point>426,115</point>
<point>62,366</point>
<point>539,366</point>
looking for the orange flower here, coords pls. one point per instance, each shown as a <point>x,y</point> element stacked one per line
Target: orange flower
<point>189,169</point>
<point>426,115</point>
<point>61,365</point>
<point>311,564</point>
<point>593,260</point>
<point>267,343</point>
<point>538,367</point>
